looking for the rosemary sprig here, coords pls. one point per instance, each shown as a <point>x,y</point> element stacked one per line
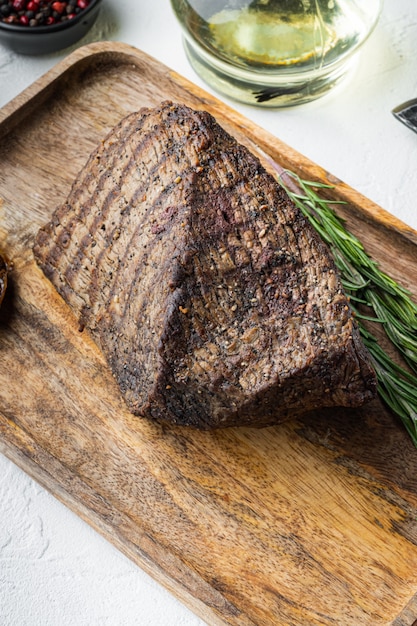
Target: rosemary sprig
<point>396,386</point>
<point>367,285</point>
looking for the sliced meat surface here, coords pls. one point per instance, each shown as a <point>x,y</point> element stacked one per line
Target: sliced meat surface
<point>212,298</point>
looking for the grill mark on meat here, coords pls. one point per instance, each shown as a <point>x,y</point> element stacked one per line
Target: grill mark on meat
<point>98,218</point>
<point>78,193</point>
<point>212,298</point>
<point>126,256</point>
<point>132,202</point>
<point>81,193</point>
<point>127,249</point>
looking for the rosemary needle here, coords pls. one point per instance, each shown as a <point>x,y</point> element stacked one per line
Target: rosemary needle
<point>366,284</point>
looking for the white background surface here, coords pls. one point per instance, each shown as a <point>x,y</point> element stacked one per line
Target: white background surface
<point>54,569</point>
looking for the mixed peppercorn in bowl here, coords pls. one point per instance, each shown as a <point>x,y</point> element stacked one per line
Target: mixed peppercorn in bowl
<point>39,27</point>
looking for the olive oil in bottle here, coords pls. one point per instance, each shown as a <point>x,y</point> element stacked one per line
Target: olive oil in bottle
<point>274,52</point>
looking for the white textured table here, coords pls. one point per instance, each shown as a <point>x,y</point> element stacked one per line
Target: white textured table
<point>55,570</point>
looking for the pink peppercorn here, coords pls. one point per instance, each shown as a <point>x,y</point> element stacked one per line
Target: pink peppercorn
<point>19,5</point>
<point>59,7</point>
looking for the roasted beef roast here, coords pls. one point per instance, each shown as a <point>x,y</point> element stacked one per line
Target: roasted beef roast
<point>213,300</point>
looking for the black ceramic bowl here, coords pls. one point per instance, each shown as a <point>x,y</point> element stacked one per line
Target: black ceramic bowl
<point>47,39</point>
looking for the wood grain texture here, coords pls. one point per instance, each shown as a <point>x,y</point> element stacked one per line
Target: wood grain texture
<point>313,522</point>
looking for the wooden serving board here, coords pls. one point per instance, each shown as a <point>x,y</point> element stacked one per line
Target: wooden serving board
<point>312,522</point>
